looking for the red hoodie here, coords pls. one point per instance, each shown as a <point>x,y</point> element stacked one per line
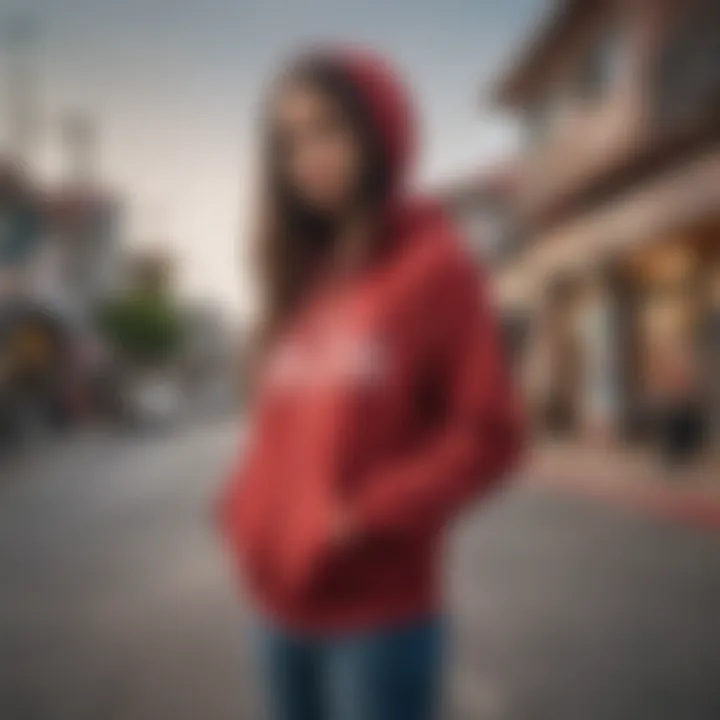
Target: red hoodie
<point>391,396</point>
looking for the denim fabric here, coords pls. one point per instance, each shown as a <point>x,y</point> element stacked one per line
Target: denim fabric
<point>393,674</point>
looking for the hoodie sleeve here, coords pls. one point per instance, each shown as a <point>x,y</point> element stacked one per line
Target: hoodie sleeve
<point>480,437</point>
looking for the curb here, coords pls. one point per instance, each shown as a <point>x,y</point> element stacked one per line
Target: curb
<point>694,506</point>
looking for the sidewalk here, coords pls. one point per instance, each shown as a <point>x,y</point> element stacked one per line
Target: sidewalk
<point>632,479</point>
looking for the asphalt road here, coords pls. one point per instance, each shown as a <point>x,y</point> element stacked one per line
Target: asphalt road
<point>115,601</point>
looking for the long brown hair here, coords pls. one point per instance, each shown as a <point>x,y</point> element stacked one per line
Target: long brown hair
<point>293,240</point>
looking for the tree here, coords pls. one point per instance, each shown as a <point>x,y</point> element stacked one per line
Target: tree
<point>145,328</point>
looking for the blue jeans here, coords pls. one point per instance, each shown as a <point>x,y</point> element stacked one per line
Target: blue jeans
<point>392,674</point>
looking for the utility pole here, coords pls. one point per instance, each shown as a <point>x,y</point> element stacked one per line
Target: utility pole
<point>21,35</point>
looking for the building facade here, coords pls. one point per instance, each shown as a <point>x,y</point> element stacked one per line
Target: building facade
<point>481,206</point>
<point>618,200</point>
<point>59,260</point>
<point>81,261</point>
<point>32,341</point>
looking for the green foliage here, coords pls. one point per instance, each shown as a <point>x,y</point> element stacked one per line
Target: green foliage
<point>144,328</point>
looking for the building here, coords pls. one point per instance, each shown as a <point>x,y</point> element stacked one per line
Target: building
<point>60,257</point>
<point>618,202</point>
<point>20,225</point>
<point>482,207</point>
<point>208,361</point>
<point>80,263</point>
<point>33,348</point>
<point>205,335</point>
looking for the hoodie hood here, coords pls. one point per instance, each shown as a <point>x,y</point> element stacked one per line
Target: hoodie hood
<point>393,116</point>
<point>389,106</point>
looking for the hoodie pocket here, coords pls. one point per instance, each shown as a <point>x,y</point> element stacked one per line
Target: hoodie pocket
<point>302,543</point>
<point>242,513</point>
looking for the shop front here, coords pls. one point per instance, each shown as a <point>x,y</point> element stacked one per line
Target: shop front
<point>674,319</point>
<point>33,358</point>
<point>626,302</point>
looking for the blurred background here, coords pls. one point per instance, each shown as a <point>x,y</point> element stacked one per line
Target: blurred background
<point>577,143</point>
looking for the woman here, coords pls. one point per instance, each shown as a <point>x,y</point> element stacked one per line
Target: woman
<point>382,405</point>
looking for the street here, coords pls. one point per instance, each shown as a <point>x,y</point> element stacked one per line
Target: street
<point>116,601</point>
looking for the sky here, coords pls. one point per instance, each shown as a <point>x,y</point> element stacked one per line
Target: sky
<point>174,86</point>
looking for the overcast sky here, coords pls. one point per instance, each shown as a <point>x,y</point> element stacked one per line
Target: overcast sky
<point>174,85</point>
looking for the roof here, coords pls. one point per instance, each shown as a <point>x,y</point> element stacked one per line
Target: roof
<point>538,48</point>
